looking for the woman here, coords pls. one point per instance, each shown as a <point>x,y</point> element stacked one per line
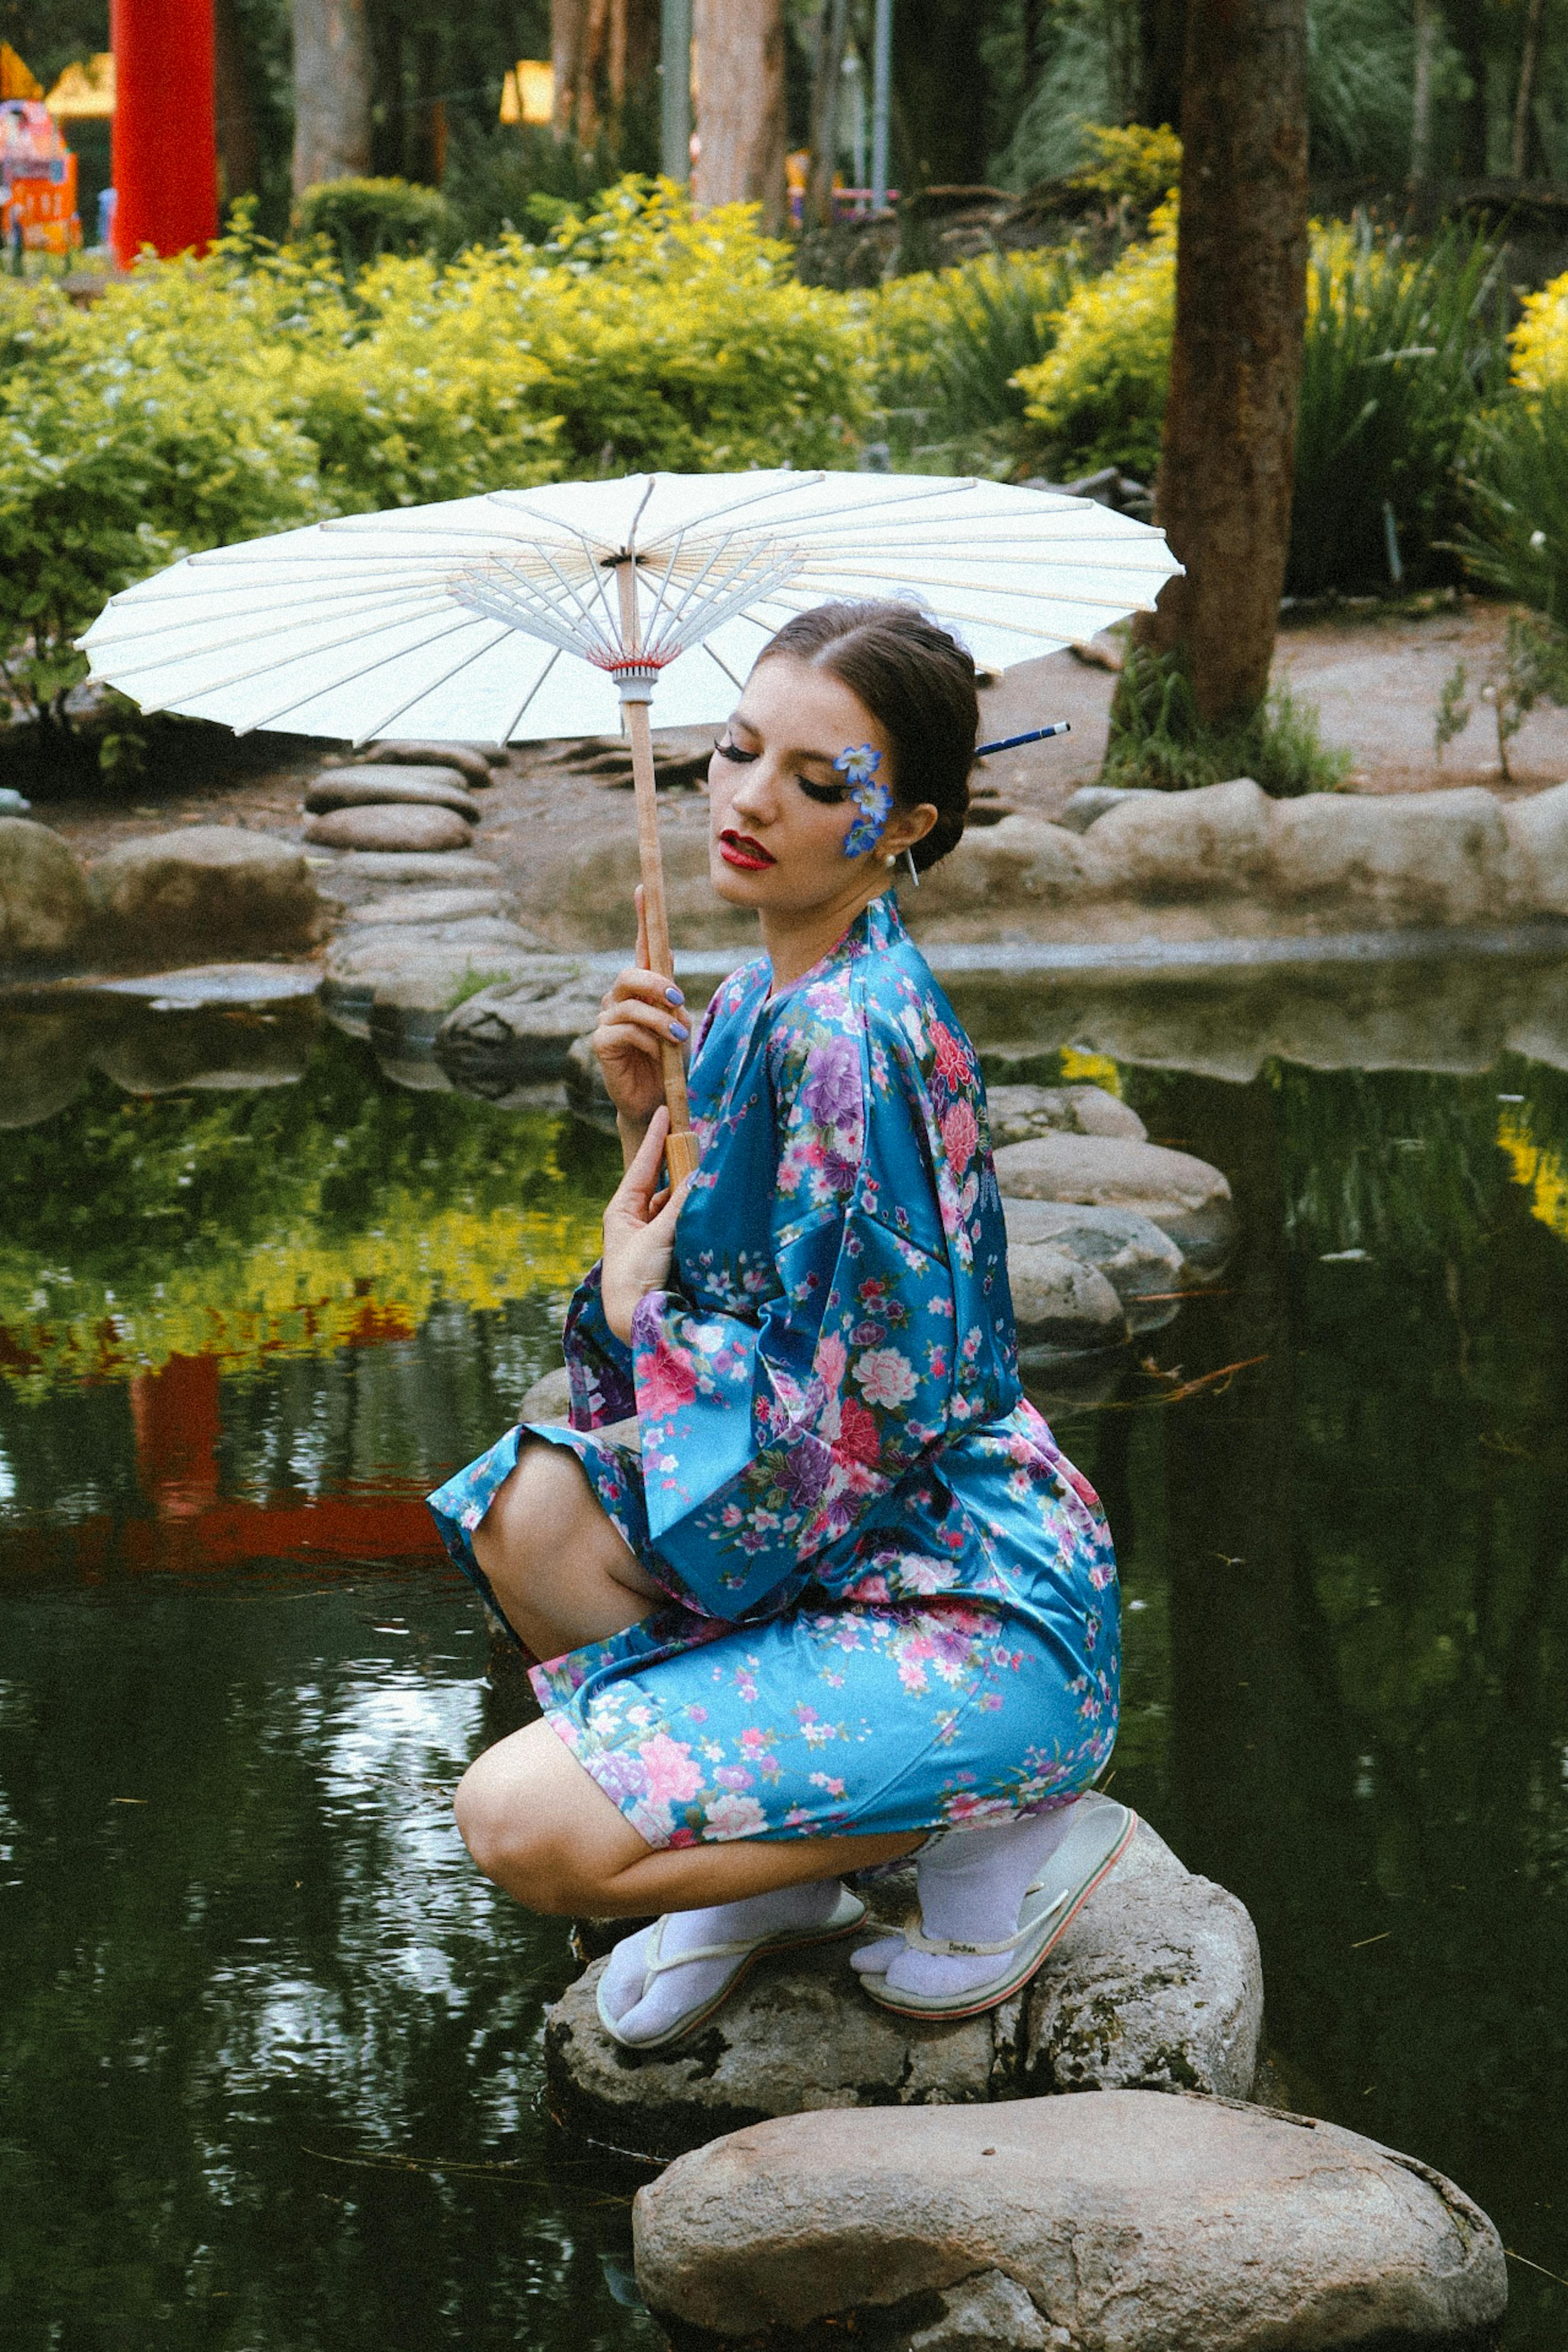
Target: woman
<point>832,1596</point>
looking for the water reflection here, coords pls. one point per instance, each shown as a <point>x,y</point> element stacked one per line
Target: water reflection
<point>268,2049</point>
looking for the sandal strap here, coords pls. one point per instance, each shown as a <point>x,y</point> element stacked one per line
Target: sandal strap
<point>949,1947</point>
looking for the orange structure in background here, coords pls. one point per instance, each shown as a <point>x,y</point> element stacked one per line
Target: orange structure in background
<point>38,177</point>
<point>165,126</point>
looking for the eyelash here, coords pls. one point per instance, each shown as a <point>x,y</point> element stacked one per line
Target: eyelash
<point>831,795</point>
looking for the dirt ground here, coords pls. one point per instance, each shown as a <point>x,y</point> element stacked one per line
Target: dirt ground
<point>1375,679</point>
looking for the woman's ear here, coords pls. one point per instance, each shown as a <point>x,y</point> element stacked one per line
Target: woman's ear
<point>907,826</point>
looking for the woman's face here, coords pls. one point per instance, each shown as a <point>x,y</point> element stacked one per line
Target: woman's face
<point>781,811</point>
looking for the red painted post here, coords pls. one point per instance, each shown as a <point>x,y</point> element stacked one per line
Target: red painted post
<point>165,129</point>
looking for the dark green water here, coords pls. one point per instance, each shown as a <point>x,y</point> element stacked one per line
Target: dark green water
<point>269,2055</point>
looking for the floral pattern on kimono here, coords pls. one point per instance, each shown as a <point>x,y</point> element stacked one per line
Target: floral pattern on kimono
<point>893,1602</point>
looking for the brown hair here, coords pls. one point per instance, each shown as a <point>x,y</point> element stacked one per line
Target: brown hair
<point>918,684</point>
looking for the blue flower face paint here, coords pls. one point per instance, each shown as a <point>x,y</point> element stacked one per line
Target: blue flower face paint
<point>873,800</point>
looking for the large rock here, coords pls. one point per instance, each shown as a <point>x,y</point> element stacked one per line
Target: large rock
<point>520,1033</point>
<point>1062,1302</point>
<point>1022,863</point>
<point>1392,857</point>
<point>1089,802</point>
<point>207,891</point>
<point>1126,2222</point>
<point>1203,844</point>
<point>469,761</point>
<point>43,903</point>
<point>1185,1197</point>
<point>1139,1260</point>
<point>389,787</point>
<point>1538,851</point>
<point>391,827</point>
<point>1017,1112</point>
<point>394,948</point>
<point>1157,1985</point>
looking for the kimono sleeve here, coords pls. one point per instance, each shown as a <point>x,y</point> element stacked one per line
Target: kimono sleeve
<point>765,1440</point>
<point>598,1364</point>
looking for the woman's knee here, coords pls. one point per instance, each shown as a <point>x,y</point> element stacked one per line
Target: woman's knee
<point>528,1511</point>
<point>517,1839</point>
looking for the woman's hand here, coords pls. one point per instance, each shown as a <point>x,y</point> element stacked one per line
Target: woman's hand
<point>639,1230</point>
<point>643,1010</point>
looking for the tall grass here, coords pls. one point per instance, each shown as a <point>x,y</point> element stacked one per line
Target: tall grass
<point>1515,539</point>
<point>950,345</point>
<point>1404,345</point>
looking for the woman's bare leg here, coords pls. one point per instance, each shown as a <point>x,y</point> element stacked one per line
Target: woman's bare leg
<point>537,1824</point>
<point>556,1564</point>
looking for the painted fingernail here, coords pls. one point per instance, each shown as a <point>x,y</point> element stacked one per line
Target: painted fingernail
<point>673,996</point>
<point>679,1031</point>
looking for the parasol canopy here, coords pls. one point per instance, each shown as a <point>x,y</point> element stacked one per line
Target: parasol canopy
<point>552,612</point>
<point>496,618</point>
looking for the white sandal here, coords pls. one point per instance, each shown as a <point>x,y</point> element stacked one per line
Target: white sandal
<point>1091,1849</point>
<point>844,1920</point>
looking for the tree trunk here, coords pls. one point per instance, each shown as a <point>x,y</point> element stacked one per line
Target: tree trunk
<point>238,153</point>
<point>939,93</point>
<point>739,49</point>
<point>1528,62</point>
<point>1226,468</point>
<point>1161,40</point>
<point>827,81</point>
<point>1421,97</point>
<point>332,91</point>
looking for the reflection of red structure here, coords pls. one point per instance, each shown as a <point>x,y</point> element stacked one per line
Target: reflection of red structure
<point>165,129</point>
<point>176,1413</point>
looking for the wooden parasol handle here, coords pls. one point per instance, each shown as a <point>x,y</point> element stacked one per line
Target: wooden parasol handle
<point>681,1149</point>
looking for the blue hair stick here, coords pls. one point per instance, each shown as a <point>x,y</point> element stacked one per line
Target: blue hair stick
<point>1035,735</point>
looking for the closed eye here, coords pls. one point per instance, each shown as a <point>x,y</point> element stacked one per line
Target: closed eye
<point>829,794</point>
<point>729,750</point>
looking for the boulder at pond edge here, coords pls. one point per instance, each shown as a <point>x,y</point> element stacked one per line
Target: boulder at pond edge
<point>1158,1984</point>
<point>1123,2222</point>
<point>43,904</point>
<point>207,893</point>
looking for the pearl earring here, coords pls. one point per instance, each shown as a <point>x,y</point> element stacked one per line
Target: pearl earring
<point>891,857</point>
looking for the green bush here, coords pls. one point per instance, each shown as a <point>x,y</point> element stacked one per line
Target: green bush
<point>948,347</point>
<point>1403,346</point>
<point>1098,398</point>
<point>362,219</point>
<point>1515,538</point>
<point>201,402</point>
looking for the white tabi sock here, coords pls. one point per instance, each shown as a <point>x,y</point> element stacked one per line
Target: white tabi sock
<point>643,2009</point>
<point>972,1883</point>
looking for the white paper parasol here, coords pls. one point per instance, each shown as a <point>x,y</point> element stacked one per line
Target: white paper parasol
<point>552,612</point>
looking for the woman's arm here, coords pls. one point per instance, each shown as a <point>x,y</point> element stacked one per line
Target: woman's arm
<point>766,1439</point>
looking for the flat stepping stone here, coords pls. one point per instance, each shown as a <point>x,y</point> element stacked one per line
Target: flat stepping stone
<point>466,758</point>
<point>1017,1112</point>
<point>391,827</point>
<point>1061,1302</point>
<point>388,787</point>
<point>1129,2222</point>
<point>429,907</point>
<point>1183,1196</point>
<point>1157,1983</point>
<point>520,1032</point>
<point>1137,1258</point>
<point>406,870</point>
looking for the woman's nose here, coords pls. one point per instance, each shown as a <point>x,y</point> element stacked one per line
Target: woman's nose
<point>756,794</point>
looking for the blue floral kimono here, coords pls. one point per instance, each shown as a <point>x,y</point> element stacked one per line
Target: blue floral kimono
<point>891,1603</point>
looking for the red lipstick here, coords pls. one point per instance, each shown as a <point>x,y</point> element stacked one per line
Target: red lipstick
<point>739,849</point>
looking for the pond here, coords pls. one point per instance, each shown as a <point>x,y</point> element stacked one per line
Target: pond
<point>269,2049</point>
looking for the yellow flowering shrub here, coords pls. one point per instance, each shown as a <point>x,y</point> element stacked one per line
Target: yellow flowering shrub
<point>1098,398</point>
<point>1540,342</point>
